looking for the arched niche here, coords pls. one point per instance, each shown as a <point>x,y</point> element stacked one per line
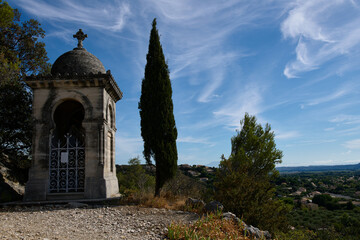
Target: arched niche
<point>68,118</point>
<point>111,116</point>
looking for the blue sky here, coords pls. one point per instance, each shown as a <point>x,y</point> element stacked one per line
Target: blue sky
<point>292,64</point>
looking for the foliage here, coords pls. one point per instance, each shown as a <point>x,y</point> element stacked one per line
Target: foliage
<point>296,235</point>
<point>135,180</point>
<point>182,185</point>
<point>158,128</point>
<point>341,182</point>
<point>245,181</point>
<point>325,200</point>
<point>335,224</point>
<point>210,226</point>
<point>15,121</point>
<point>21,53</point>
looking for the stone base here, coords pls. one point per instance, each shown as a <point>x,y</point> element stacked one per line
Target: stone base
<point>36,190</point>
<point>95,188</point>
<point>101,187</point>
<point>64,196</point>
<point>112,187</point>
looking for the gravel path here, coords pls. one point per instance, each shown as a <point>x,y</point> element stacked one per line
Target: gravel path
<point>61,222</point>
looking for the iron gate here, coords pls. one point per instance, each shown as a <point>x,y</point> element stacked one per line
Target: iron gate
<point>67,165</point>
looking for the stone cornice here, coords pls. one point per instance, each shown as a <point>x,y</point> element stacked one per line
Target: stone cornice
<point>106,81</point>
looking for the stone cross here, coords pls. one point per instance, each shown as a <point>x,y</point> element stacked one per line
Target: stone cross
<point>80,37</point>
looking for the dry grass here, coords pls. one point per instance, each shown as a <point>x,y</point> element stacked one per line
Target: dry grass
<point>210,226</point>
<point>163,202</point>
<point>167,201</point>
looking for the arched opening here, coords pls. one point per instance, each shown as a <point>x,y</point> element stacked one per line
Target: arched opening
<point>67,149</point>
<point>110,140</point>
<point>68,118</point>
<point>110,150</point>
<point>110,117</point>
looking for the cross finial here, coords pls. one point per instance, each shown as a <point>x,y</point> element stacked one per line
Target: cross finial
<point>80,36</point>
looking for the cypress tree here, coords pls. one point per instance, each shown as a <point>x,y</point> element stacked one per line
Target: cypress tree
<point>158,128</point>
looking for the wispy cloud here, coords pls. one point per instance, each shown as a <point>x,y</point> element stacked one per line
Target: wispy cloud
<point>323,30</point>
<point>346,119</point>
<point>195,140</point>
<point>345,90</point>
<point>109,16</point>
<point>201,55</point>
<point>248,100</point>
<point>353,144</point>
<point>128,146</point>
<point>328,98</point>
<point>286,135</point>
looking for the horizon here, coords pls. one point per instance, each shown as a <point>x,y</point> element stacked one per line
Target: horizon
<point>292,64</point>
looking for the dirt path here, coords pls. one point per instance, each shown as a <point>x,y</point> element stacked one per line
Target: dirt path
<point>59,222</point>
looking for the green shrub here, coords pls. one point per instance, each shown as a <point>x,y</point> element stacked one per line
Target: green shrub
<point>134,180</point>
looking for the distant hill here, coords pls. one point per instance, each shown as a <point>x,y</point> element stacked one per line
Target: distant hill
<point>351,167</point>
<point>213,164</point>
<point>315,168</point>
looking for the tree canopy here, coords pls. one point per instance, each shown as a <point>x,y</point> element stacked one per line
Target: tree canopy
<point>245,181</point>
<point>158,128</point>
<point>21,53</point>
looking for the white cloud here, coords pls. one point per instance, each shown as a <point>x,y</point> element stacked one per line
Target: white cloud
<point>286,135</point>
<point>347,119</point>
<point>316,141</point>
<point>128,147</point>
<point>194,140</point>
<point>109,16</point>
<point>323,30</point>
<point>196,32</point>
<point>323,162</point>
<point>246,100</point>
<point>328,97</point>
<point>353,144</point>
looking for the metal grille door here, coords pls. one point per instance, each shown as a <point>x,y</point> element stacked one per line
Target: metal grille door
<point>67,165</point>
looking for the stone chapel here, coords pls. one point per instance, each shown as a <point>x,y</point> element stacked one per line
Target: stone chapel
<point>73,149</point>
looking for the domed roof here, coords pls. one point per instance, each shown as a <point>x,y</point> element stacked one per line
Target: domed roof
<point>77,61</point>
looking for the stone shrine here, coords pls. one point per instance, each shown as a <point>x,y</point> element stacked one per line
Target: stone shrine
<point>73,149</point>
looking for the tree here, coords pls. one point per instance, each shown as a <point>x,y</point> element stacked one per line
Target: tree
<point>158,128</point>
<point>245,182</point>
<point>21,53</point>
<point>134,179</point>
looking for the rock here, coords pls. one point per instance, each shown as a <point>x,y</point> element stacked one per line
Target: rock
<point>250,230</point>
<point>256,233</point>
<point>266,234</point>
<point>195,203</point>
<point>213,206</point>
<point>230,216</point>
<point>10,190</point>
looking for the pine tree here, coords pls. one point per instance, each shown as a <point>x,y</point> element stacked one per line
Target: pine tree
<point>158,128</point>
<point>245,181</point>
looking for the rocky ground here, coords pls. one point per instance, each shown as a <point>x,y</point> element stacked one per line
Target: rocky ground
<point>88,222</point>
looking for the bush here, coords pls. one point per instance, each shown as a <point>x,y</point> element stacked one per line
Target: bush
<point>134,180</point>
<point>185,186</point>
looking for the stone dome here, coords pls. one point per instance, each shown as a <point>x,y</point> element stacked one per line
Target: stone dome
<point>78,61</point>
